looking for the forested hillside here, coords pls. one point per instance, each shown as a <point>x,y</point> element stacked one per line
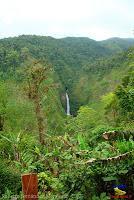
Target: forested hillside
<point>76,157</point>
<point>117,44</point>
<point>76,61</point>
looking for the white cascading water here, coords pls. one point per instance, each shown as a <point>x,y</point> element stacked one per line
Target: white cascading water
<point>68,104</point>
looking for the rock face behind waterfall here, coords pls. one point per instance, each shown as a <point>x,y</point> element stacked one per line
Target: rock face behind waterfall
<point>68,104</point>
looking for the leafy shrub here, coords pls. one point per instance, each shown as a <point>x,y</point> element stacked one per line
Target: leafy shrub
<point>9,179</point>
<point>125,146</point>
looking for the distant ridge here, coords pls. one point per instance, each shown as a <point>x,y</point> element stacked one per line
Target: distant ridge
<point>117,44</point>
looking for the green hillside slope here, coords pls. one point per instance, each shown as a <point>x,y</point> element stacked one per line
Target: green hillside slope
<point>118,44</point>
<point>80,64</point>
<point>78,156</point>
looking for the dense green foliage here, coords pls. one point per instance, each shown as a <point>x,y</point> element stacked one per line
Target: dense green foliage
<point>75,61</point>
<point>85,154</point>
<point>10,179</point>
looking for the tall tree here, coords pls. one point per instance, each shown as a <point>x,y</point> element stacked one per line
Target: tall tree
<point>36,77</point>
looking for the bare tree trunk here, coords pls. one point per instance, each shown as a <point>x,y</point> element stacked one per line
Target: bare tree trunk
<point>40,118</point>
<point>16,154</point>
<point>1,123</point>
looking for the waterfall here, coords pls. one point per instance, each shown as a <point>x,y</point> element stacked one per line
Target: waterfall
<point>68,104</point>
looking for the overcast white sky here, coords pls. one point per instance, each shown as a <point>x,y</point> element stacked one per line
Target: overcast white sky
<point>96,19</point>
